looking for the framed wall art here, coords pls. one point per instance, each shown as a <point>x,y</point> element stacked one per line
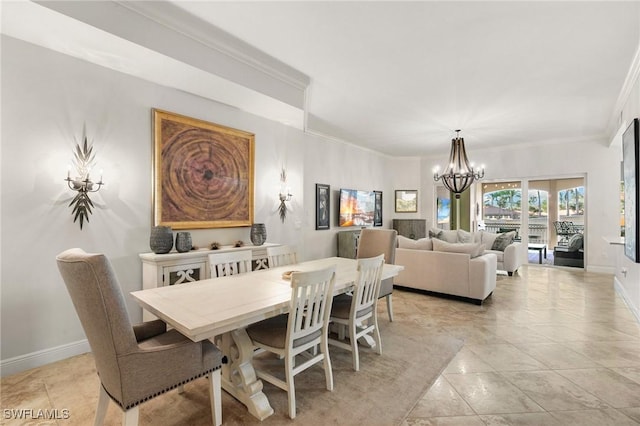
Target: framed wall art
<point>203,173</point>
<point>323,206</point>
<point>377,208</point>
<point>631,176</point>
<point>406,201</point>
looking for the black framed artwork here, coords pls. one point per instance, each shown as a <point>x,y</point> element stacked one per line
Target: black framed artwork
<point>323,206</point>
<point>377,208</point>
<point>631,176</point>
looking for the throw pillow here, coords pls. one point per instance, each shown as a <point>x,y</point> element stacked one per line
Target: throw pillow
<point>575,242</point>
<point>435,233</point>
<point>404,242</point>
<point>424,244</point>
<point>488,238</point>
<point>472,249</point>
<point>408,243</point>
<point>503,240</point>
<point>465,236</point>
<point>449,236</point>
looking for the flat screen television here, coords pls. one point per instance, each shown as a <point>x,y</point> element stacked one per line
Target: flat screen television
<point>356,207</point>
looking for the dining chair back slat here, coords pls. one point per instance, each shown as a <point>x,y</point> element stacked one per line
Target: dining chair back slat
<point>356,315</point>
<point>305,329</point>
<point>281,256</point>
<point>230,263</point>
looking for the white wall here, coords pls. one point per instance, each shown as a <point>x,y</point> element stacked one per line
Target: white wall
<point>47,98</point>
<point>627,273</point>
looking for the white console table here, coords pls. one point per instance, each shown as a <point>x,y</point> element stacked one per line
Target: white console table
<point>159,270</point>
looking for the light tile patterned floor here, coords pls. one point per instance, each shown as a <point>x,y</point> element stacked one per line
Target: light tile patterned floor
<point>552,346</point>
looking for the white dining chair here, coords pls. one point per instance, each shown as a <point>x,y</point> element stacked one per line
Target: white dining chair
<point>281,255</point>
<point>355,314</point>
<point>303,331</point>
<point>230,263</point>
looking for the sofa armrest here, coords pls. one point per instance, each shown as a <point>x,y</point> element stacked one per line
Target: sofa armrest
<point>482,276</point>
<point>512,258</point>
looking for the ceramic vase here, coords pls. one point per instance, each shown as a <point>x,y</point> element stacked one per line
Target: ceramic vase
<point>258,234</point>
<point>183,242</point>
<point>161,239</point>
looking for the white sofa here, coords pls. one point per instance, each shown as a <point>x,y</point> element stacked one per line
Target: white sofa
<point>509,259</point>
<point>446,272</point>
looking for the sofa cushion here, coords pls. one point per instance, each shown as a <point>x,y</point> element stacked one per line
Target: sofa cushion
<point>488,238</point>
<point>465,236</point>
<point>503,240</point>
<point>499,254</point>
<point>575,242</point>
<point>472,249</point>
<point>421,244</point>
<point>444,235</point>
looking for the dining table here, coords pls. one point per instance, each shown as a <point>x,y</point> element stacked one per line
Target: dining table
<point>220,309</point>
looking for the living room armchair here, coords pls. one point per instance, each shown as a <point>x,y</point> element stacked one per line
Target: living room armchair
<point>374,242</point>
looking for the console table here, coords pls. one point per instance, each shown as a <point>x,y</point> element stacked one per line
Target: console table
<point>411,228</point>
<point>348,243</point>
<point>159,270</point>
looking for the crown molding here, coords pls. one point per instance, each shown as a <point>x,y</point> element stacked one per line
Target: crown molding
<point>165,28</point>
<point>616,120</point>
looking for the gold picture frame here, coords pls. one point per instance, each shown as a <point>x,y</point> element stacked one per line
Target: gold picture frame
<point>202,173</point>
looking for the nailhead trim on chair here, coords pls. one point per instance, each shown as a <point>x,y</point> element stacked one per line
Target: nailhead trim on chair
<point>147,398</point>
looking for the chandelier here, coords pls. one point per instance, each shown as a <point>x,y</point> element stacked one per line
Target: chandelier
<point>459,174</point>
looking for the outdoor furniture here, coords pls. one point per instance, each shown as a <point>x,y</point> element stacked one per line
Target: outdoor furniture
<point>564,230</point>
<point>134,363</point>
<point>303,331</point>
<point>572,254</point>
<point>356,313</point>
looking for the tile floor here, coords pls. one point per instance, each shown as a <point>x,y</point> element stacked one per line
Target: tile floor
<point>552,346</point>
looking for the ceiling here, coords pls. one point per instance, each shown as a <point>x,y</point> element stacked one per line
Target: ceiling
<point>400,77</point>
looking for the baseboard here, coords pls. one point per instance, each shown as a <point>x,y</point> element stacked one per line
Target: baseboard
<point>621,291</point>
<point>601,269</point>
<point>46,356</point>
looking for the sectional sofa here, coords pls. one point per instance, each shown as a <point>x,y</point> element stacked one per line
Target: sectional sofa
<point>435,266</point>
<point>457,263</point>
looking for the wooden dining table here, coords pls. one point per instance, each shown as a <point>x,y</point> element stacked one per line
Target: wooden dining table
<point>220,309</point>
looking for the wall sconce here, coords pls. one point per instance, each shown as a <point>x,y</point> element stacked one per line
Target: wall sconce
<point>83,160</point>
<point>285,195</point>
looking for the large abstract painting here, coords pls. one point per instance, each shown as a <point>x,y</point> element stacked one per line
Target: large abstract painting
<point>203,173</point>
<point>631,175</point>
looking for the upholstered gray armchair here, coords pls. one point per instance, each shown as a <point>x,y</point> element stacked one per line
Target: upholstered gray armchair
<point>374,242</point>
<point>134,363</point>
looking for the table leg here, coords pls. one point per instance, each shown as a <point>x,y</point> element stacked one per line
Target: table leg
<point>540,256</point>
<point>545,252</point>
<point>238,376</point>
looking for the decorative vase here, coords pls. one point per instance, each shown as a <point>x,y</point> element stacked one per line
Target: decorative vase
<point>161,240</point>
<point>258,234</point>
<point>183,242</point>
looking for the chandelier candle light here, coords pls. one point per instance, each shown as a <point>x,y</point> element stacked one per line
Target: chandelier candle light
<point>459,174</point>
